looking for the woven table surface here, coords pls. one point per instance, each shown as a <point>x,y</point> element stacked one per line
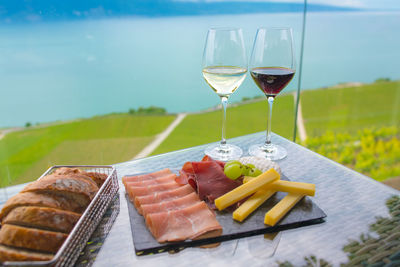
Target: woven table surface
<point>362,227</point>
<point>355,204</point>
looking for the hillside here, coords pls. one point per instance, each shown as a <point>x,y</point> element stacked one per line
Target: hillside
<point>24,155</point>
<point>353,126</point>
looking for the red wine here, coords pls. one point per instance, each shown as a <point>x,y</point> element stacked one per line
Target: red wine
<point>271,80</point>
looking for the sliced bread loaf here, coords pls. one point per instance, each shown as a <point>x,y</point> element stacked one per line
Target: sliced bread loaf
<point>30,238</point>
<point>43,218</point>
<point>17,254</point>
<point>66,170</point>
<point>40,200</point>
<point>98,178</point>
<point>71,172</point>
<point>73,186</point>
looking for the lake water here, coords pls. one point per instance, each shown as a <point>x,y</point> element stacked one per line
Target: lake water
<point>71,69</point>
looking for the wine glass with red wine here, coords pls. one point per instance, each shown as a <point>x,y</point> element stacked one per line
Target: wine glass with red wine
<point>224,69</point>
<point>272,67</point>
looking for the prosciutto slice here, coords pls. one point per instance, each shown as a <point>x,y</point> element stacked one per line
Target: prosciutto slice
<point>174,204</point>
<point>159,180</point>
<point>187,223</point>
<point>207,158</point>
<point>187,174</point>
<point>134,191</point>
<point>172,211</point>
<point>208,179</point>
<point>148,176</point>
<point>162,196</point>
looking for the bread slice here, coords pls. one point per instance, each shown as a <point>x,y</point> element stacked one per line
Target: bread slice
<point>98,178</point>
<point>17,254</point>
<point>66,170</point>
<point>40,200</point>
<point>71,172</point>
<point>43,218</point>
<point>30,238</point>
<point>74,187</point>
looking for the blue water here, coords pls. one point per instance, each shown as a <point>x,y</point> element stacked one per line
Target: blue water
<point>73,69</point>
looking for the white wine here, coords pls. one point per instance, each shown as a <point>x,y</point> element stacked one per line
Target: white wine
<point>224,80</point>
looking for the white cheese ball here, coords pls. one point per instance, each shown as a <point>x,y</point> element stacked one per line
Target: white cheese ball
<point>262,164</point>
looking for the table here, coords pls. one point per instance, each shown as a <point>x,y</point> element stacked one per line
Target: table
<point>351,201</point>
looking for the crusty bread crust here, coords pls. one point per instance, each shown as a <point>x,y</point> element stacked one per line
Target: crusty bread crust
<point>59,182</point>
<point>98,178</point>
<point>35,239</point>
<point>71,172</point>
<point>41,200</point>
<point>17,254</point>
<point>74,187</point>
<point>66,170</point>
<point>43,218</point>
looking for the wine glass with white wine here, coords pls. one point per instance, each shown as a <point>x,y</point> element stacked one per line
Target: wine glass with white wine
<point>224,69</point>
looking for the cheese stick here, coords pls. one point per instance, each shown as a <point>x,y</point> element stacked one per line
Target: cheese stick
<point>246,189</point>
<point>288,186</point>
<point>294,187</point>
<point>250,205</point>
<point>280,209</point>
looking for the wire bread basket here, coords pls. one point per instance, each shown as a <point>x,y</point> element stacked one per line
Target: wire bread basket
<point>80,234</point>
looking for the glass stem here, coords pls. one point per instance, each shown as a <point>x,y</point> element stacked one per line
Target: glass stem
<point>270,103</point>
<point>224,102</point>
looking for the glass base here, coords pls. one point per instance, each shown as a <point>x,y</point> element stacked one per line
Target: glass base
<point>263,246</point>
<point>271,152</point>
<point>224,152</point>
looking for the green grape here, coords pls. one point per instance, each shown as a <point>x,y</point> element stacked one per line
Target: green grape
<point>257,172</point>
<point>254,172</point>
<point>233,171</point>
<point>251,173</point>
<point>232,162</point>
<point>245,170</point>
<point>251,166</point>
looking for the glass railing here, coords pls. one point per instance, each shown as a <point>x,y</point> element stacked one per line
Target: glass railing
<point>351,115</point>
<point>97,84</point>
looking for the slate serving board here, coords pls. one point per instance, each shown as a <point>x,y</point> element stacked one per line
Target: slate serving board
<point>306,212</point>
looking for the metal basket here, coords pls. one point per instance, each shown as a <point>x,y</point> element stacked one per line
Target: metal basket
<point>80,234</point>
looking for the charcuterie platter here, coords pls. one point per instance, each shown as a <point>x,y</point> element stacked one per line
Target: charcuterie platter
<point>148,226</point>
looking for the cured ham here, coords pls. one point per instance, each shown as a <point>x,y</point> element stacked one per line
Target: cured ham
<point>172,211</point>
<point>162,196</point>
<point>159,180</point>
<point>208,179</point>
<point>134,191</point>
<point>148,176</point>
<point>211,181</point>
<point>187,223</point>
<point>207,158</point>
<point>187,174</point>
<point>174,204</point>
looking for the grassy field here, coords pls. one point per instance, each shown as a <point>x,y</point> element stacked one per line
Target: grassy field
<point>24,155</point>
<point>351,109</point>
<point>202,128</point>
<point>357,127</point>
<point>373,151</point>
